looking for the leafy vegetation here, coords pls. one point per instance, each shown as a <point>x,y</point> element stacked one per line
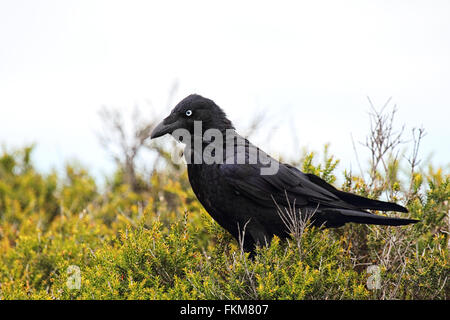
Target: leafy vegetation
<point>157,242</point>
<point>144,235</point>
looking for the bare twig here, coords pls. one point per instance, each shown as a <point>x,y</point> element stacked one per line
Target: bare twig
<point>249,274</point>
<point>295,221</point>
<point>418,134</point>
<point>382,139</point>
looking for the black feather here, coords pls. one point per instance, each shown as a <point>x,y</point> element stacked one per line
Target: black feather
<point>358,201</point>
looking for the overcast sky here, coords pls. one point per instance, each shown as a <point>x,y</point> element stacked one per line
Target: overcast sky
<point>310,64</point>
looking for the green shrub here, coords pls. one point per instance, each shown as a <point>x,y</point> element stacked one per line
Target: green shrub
<point>159,243</point>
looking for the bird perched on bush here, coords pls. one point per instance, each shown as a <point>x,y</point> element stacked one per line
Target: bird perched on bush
<point>245,190</point>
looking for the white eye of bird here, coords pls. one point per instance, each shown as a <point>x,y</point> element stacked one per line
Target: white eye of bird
<point>189,113</point>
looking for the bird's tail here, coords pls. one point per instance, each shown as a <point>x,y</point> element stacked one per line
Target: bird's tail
<point>371,204</point>
<point>355,200</point>
<point>367,218</point>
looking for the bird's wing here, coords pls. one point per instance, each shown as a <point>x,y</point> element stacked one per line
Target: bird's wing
<point>286,186</point>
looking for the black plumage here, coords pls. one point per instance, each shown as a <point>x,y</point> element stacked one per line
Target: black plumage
<point>239,197</point>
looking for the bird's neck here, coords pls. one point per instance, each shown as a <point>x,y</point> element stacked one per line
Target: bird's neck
<point>213,147</point>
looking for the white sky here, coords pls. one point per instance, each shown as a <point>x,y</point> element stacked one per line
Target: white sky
<point>308,62</point>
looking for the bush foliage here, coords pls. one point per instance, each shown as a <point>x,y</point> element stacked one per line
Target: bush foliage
<point>159,243</point>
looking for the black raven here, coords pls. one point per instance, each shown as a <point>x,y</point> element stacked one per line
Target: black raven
<point>227,175</point>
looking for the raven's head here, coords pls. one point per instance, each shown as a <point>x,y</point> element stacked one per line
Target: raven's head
<point>193,108</point>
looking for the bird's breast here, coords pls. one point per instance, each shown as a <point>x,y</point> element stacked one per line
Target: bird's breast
<point>211,189</point>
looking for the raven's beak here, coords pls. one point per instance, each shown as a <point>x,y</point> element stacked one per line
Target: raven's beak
<point>165,127</point>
